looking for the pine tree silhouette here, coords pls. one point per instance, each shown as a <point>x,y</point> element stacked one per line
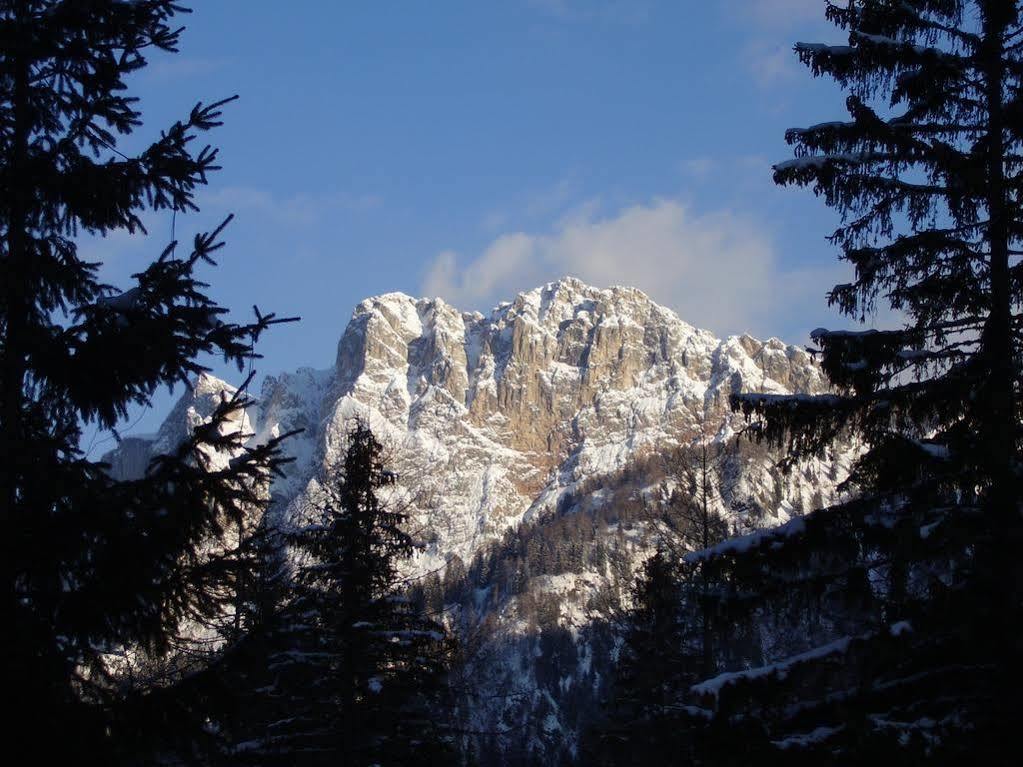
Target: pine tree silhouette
<point>355,672</point>
<point>673,637</point>
<point>884,620</point>
<point>102,572</point>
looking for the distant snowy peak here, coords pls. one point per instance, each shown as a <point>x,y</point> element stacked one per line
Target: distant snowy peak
<point>607,337</point>
<point>193,408</point>
<point>493,418</point>
<point>496,416</point>
<point>559,400</point>
<point>554,402</point>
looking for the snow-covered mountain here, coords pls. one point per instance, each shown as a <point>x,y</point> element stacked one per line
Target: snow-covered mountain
<point>547,412</point>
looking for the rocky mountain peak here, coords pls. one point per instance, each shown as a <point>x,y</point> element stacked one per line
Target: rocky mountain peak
<point>499,416</point>
<point>548,407</point>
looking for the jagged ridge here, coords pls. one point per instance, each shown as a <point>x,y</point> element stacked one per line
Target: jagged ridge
<point>493,420</point>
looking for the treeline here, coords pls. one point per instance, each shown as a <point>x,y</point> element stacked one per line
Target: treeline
<point>539,663</point>
<point>596,524</point>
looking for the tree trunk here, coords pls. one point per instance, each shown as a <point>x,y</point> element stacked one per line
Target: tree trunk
<point>16,308</point>
<point>1000,436</point>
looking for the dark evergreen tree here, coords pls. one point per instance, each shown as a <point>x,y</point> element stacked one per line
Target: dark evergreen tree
<point>98,568</point>
<point>692,519</point>
<point>647,722</point>
<point>356,675</point>
<point>884,620</point>
<point>672,632</point>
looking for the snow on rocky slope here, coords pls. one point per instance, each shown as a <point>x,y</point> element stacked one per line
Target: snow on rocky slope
<point>495,418</point>
<point>495,422</point>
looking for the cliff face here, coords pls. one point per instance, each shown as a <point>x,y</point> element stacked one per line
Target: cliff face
<point>509,421</point>
<point>497,418</point>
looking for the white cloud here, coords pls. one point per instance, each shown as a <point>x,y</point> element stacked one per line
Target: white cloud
<point>717,270</point>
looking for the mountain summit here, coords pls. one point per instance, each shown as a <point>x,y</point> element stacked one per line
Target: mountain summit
<point>499,417</point>
<point>545,408</point>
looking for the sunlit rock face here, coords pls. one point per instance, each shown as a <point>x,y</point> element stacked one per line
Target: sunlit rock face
<point>533,412</point>
<point>495,418</point>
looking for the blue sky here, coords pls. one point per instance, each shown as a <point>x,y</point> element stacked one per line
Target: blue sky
<point>474,148</point>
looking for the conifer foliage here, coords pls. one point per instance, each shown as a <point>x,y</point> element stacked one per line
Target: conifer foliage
<point>671,640</point>
<point>660,658</point>
<point>355,672</point>
<point>883,621</point>
<point>94,567</point>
